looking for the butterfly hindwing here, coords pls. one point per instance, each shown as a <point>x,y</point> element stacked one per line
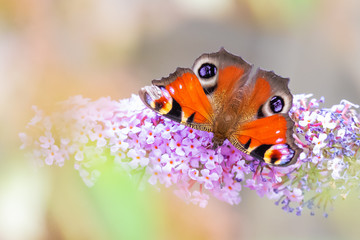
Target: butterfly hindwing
<point>220,75</point>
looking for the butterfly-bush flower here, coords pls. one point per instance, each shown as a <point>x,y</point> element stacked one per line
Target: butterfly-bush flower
<point>88,134</point>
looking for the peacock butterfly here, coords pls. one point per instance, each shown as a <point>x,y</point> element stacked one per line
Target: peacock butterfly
<point>225,95</point>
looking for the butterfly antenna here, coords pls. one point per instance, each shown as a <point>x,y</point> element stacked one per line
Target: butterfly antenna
<point>261,170</point>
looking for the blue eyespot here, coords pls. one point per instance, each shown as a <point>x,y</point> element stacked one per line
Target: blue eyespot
<point>207,70</point>
<point>276,104</point>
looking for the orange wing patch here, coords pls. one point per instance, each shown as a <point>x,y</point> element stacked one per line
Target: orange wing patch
<point>181,98</point>
<point>228,77</point>
<point>269,130</point>
<point>260,94</point>
<point>186,90</point>
<point>265,139</point>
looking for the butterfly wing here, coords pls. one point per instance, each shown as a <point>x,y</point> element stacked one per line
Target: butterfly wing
<point>181,98</point>
<point>268,139</point>
<point>267,133</point>
<point>231,73</point>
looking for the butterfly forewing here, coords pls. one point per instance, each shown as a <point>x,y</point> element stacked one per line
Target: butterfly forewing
<point>181,98</point>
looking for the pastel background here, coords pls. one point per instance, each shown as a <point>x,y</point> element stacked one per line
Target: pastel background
<point>50,50</point>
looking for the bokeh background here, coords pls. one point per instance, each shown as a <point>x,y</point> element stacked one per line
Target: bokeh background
<point>50,50</point>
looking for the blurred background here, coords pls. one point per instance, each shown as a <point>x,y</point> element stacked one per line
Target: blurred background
<point>50,50</point>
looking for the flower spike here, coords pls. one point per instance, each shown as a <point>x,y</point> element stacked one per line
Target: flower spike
<point>89,133</point>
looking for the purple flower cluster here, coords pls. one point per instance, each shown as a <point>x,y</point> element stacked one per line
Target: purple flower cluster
<point>137,140</point>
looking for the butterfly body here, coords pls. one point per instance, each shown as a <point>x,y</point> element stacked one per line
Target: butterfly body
<point>230,115</point>
<point>223,94</point>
